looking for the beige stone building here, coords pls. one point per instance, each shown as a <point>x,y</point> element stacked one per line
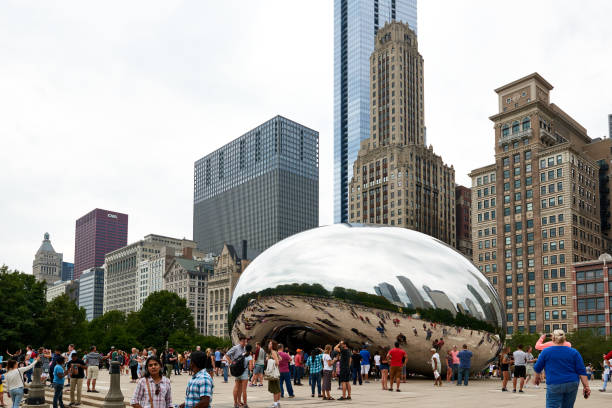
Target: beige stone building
<point>221,284</point>
<point>397,179</point>
<point>188,279</point>
<point>123,274</point>
<point>70,288</point>
<point>47,265</point>
<point>536,210</point>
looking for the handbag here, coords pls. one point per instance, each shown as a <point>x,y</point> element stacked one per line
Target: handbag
<point>271,372</point>
<point>149,391</point>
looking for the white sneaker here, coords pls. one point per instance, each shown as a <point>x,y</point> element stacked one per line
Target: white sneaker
<point>537,386</point>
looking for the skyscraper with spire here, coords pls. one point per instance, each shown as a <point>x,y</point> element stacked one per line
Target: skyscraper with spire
<point>47,265</point>
<point>356,23</point>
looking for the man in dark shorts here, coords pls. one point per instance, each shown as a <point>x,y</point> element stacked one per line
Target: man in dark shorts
<point>345,369</point>
<point>520,367</point>
<point>398,358</point>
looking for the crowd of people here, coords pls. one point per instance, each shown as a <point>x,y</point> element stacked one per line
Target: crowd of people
<point>558,364</point>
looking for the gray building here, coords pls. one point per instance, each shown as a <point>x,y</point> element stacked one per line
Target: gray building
<point>91,292</point>
<point>261,187</point>
<point>67,271</point>
<point>610,125</point>
<point>355,25</point>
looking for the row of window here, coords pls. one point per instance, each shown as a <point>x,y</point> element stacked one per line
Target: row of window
<point>485,191</point>
<point>525,124</point>
<point>550,161</point>
<point>547,328</point>
<point>548,315</point>
<point>485,179</point>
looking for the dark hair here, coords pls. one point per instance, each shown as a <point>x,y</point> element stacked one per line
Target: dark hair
<point>520,346</point>
<point>147,374</point>
<point>198,359</point>
<point>11,363</point>
<point>92,348</point>
<point>248,349</point>
<point>60,360</point>
<point>275,345</point>
<point>241,337</point>
<point>397,344</point>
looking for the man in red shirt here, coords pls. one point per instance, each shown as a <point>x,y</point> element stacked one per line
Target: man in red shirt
<point>299,367</point>
<point>398,359</point>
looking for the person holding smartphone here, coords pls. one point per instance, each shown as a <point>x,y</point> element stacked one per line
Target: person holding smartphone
<point>564,370</point>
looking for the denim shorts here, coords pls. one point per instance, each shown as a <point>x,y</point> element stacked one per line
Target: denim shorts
<point>259,369</point>
<point>244,376</point>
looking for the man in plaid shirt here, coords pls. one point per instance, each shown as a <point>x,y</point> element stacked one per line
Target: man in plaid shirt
<point>200,387</point>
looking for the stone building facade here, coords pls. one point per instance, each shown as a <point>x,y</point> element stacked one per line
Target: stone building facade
<point>47,265</point>
<point>70,288</point>
<point>221,284</point>
<point>535,211</point>
<point>188,279</point>
<point>463,220</point>
<point>122,270</point>
<point>591,289</point>
<point>398,180</point>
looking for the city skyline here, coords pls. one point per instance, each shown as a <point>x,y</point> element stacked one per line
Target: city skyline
<point>157,119</point>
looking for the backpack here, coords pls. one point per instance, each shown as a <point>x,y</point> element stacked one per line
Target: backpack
<point>237,366</point>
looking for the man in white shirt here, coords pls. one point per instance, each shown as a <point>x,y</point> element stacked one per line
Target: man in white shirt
<point>436,367</point>
<point>520,367</point>
<point>377,363</point>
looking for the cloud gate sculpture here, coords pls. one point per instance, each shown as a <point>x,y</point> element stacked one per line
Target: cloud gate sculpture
<point>373,285</point>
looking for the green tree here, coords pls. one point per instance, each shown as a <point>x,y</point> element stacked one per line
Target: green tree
<point>590,345</point>
<point>526,339</point>
<point>113,329</point>
<point>22,303</point>
<point>162,314</point>
<point>64,322</point>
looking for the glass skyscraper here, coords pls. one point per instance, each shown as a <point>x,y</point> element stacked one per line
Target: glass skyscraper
<point>262,187</point>
<point>355,25</point>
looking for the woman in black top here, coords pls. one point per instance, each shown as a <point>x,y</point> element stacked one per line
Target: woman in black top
<point>506,360</point>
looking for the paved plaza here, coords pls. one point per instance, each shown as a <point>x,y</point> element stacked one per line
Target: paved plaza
<point>415,393</point>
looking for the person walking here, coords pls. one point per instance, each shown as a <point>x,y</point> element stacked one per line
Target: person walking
<point>365,363</point>
<point>283,368</point>
<point>449,366</point>
<point>398,359</point>
<point>436,367</point>
<point>455,352</point>
<point>529,366</point>
<point>274,384</point>
<point>92,359</point>
<point>154,389</point>
<point>199,391</point>
<point>133,365</point>
<point>328,367</point>
<point>58,382</point>
<point>505,361</point>
<point>14,380</point>
<point>384,370</point>
<point>564,369</point>
<point>76,370</point>
<point>344,357</point>
<point>315,366</point>
<point>260,365</point>
<point>520,369</point>
<point>465,363</point>
<point>356,367</point>
<point>606,373</point>
<point>238,352</point>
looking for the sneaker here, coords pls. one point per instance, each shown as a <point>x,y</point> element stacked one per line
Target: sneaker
<point>292,396</point>
<point>537,386</point>
<point>514,390</point>
<point>600,390</point>
<point>504,389</point>
<point>521,391</point>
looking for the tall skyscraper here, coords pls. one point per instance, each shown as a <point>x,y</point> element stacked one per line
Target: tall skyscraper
<point>47,265</point>
<point>261,187</point>
<point>463,216</point>
<point>91,292</point>
<point>397,179</point>
<point>535,211</point>
<point>98,233</point>
<point>356,23</point>
<point>67,271</point>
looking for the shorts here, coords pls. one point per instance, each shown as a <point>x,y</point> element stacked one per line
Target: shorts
<point>244,376</point>
<point>274,386</point>
<point>520,371</point>
<point>530,370</point>
<point>92,372</point>
<point>259,369</point>
<point>365,369</point>
<point>345,376</point>
<point>384,367</point>
<point>218,363</point>
<point>396,372</point>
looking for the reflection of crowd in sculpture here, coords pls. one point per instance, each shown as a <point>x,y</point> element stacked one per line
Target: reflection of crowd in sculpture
<point>329,317</point>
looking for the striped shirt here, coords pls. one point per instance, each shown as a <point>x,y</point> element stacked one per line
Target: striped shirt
<point>161,399</point>
<point>200,385</point>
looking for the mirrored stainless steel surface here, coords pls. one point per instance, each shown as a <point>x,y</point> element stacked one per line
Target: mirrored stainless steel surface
<point>406,267</point>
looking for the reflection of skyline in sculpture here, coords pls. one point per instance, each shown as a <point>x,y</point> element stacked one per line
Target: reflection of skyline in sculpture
<point>440,299</point>
<point>486,307</point>
<point>415,299</point>
<point>473,310</point>
<point>388,291</point>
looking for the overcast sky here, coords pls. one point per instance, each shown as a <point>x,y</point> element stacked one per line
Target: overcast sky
<point>108,104</point>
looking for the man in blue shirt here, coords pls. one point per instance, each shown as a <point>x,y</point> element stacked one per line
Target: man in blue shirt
<point>199,390</point>
<point>58,382</point>
<point>465,362</point>
<point>365,362</point>
<point>564,368</point>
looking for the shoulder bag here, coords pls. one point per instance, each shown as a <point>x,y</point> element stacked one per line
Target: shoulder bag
<point>271,372</point>
<point>149,391</point>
